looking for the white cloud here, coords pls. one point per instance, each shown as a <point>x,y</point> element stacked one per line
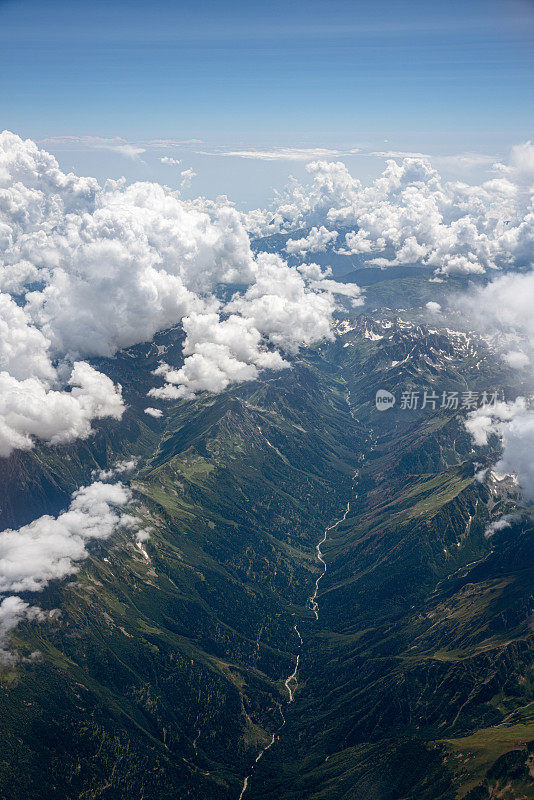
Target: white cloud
<point>187,177</point>
<point>316,241</point>
<point>31,405</point>
<point>516,359</point>
<point>218,352</point>
<point>284,308</point>
<point>173,162</point>
<point>28,408</point>
<point>50,548</point>
<point>101,268</point>
<point>500,524</point>
<point>154,412</point>
<point>514,424</point>
<point>520,167</point>
<point>284,153</point>
<point>114,144</point>
<point>119,468</point>
<point>12,611</point>
<point>492,419</point>
<point>23,347</point>
<point>410,214</point>
<point>502,312</point>
<point>518,446</point>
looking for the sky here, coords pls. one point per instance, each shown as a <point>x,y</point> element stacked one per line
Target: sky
<point>244,93</point>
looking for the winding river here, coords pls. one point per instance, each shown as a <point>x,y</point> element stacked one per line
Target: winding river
<point>291,681</point>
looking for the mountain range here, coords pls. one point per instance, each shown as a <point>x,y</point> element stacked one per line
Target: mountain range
<point>198,662</point>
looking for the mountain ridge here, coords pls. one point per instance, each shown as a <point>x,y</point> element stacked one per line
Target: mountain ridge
<point>167,667</point>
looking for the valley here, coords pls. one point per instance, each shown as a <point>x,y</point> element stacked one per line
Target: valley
<point>316,612</point>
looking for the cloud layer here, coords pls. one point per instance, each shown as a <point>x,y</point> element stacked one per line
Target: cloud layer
<point>87,270</point>
<point>502,312</point>
<point>409,214</point>
<point>283,153</point>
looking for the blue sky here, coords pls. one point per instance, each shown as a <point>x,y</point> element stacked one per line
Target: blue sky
<point>440,78</point>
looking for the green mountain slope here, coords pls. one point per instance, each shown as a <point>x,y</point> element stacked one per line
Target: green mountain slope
<point>167,666</point>
<point>418,675</point>
<point>165,675</point>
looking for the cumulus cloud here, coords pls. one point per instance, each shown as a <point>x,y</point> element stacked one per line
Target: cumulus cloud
<point>173,162</point>
<point>516,359</point>
<point>120,467</point>
<point>118,262</point>
<point>187,177</point>
<point>502,311</point>
<point>28,408</point>
<point>520,167</point>
<point>411,215</point>
<point>23,347</point>
<point>31,402</point>
<point>12,611</point>
<point>282,306</point>
<point>218,352</point>
<point>490,419</point>
<point>316,241</point>
<point>285,308</point>
<point>154,412</point>
<point>518,443</point>
<point>50,548</point>
<point>87,270</point>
